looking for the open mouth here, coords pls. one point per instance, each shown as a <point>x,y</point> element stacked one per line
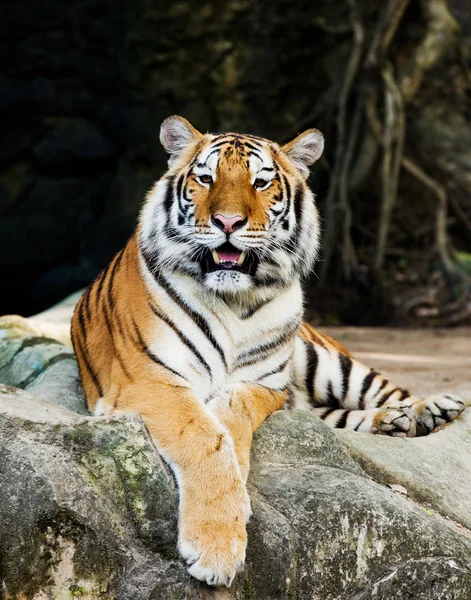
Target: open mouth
<point>228,258</point>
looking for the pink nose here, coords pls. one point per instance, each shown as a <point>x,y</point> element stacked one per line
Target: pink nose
<point>228,224</point>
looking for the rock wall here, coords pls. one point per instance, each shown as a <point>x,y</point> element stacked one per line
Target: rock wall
<point>88,508</point>
<point>85,84</point>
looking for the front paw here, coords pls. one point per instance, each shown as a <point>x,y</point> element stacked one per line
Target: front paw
<point>212,537</point>
<point>216,553</point>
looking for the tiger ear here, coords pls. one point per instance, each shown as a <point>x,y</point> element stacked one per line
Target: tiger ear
<point>305,149</point>
<point>176,134</point>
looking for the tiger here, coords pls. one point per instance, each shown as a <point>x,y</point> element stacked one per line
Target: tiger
<point>197,326</point>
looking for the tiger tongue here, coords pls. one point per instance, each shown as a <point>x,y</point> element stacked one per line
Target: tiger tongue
<point>228,255</point>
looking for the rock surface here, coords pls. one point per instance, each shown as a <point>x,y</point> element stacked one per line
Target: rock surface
<point>88,508</point>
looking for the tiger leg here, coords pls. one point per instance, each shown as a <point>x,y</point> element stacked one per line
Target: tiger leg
<point>214,504</point>
<point>242,408</point>
<point>345,393</point>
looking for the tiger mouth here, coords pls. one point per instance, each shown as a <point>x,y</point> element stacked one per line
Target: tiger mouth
<point>228,258</point>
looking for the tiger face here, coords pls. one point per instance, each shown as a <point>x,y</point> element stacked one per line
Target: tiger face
<point>233,211</point>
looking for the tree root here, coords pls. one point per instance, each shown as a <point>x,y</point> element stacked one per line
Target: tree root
<point>337,199</point>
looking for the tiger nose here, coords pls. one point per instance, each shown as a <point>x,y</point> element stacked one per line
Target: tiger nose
<point>228,224</point>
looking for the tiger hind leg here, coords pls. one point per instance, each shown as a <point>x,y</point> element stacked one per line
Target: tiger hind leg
<point>346,394</point>
<point>411,418</point>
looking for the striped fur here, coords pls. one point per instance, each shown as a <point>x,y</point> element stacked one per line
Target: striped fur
<point>205,351</point>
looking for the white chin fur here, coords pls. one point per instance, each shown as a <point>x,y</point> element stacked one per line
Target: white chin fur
<point>228,282</point>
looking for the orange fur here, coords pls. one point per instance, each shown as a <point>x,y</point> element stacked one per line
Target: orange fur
<point>310,334</point>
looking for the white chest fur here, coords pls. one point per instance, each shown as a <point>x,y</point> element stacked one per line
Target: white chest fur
<point>212,344</point>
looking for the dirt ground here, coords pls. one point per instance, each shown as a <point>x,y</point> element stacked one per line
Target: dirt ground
<point>425,361</point>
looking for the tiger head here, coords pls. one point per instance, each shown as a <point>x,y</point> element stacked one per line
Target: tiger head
<point>233,211</point>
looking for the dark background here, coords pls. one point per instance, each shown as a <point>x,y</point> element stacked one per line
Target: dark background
<point>85,84</point>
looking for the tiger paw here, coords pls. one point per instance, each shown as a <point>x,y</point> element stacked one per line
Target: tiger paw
<point>418,418</point>
<point>212,536</point>
<point>216,553</point>
<point>397,422</point>
<point>435,411</point>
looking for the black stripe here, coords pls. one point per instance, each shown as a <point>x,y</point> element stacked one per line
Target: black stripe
<point>270,281</point>
<point>86,300</point>
<point>328,412</point>
<point>405,394</point>
<point>253,309</point>
<point>343,420</point>
<point>182,336</point>
<point>83,326</point>
<point>168,201</point>
<point>179,186</point>
<point>312,362</point>
<point>365,387</point>
<point>256,154</point>
<point>111,306</point>
<point>100,285</point>
<point>386,396</point>
<point>151,260</point>
<point>215,150</point>
<point>357,427</point>
<point>149,352</point>
<point>381,387</point>
<point>119,323</point>
<point>93,375</point>
<point>346,368</point>
<point>254,355</point>
<point>298,211</point>
<point>331,399</point>
<point>109,293</point>
<point>275,371</point>
<point>257,149</point>
<point>287,190</point>
<point>216,146</point>
<point>115,349</point>
<point>180,195</point>
<point>195,316</point>
<point>277,213</point>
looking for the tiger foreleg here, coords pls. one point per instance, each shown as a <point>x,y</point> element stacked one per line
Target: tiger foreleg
<point>346,394</point>
<point>214,505</point>
<point>242,408</point>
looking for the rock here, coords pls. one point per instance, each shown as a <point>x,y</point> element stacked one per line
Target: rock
<point>435,470</point>
<point>45,368</point>
<point>88,508</point>
<point>346,531</point>
<point>72,489</point>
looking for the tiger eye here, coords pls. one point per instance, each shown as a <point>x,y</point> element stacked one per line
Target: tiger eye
<point>260,183</point>
<point>205,179</point>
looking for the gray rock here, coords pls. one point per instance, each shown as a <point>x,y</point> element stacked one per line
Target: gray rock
<point>347,531</point>
<point>435,470</point>
<point>67,519</point>
<point>88,509</point>
<point>45,368</point>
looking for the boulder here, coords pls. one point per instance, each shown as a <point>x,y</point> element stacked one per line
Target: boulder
<point>89,510</point>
